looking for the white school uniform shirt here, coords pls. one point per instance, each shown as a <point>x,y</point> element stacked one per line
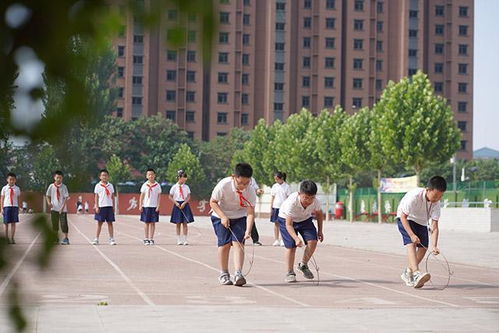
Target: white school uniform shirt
<point>52,193</point>
<point>254,184</point>
<point>6,194</point>
<point>151,194</point>
<point>292,207</point>
<point>280,192</point>
<point>175,192</point>
<point>228,199</point>
<point>417,208</point>
<point>104,199</point>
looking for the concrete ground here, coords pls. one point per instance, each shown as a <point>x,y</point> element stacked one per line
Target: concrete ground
<point>168,287</point>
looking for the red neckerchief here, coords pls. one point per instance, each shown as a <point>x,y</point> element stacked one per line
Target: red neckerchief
<point>242,199</point>
<point>108,193</point>
<point>150,188</point>
<point>181,192</point>
<point>58,193</point>
<point>11,195</point>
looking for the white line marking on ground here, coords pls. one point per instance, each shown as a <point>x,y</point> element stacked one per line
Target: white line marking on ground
<point>117,268</point>
<point>5,282</point>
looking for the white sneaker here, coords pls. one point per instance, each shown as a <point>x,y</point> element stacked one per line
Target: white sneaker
<point>281,242</point>
<point>112,241</point>
<point>420,279</point>
<point>180,242</point>
<point>276,243</point>
<point>95,241</point>
<point>239,279</point>
<point>185,242</point>
<point>290,277</point>
<point>407,277</point>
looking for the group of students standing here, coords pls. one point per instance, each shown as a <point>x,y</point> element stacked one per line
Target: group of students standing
<point>232,205</point>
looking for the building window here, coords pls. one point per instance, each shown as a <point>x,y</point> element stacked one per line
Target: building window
<point>244,119</point>
<point>246,39</point>
<point>413,52</point>
<point>247,3</point>
<point>463,145</point>
<point>245,79</point>
<point>222,98</point>
<point>244,99</point>
<point>120,92</point>
<point>223,57</point>
<point>305,81</point>
<point>358,25</point>
<point>379,26</point>
<point>305,101</point>
<point>357,102</point>
<point>171,75</point>
<point>463,49</point>
<point>280,26</point>
<point>463,11</point>
<point>439,67</point>
<point>138,39</point>
<point>137,100</point>
<point>119,112</point>
<point>413,13</point>
<point>190,96</point>
<point>379,46</point>
<point>121,51</point>
<point>280,46</point>
<point>191,56</point>
<point>358,5</point>
<point>330,43</point>
<point>328,101</point>
<point>122,31</point>
<point>221,133</point>
<point>279,66</point>
<point>137,80</point>
<point>172,15</point>
<point>463,30</point>
<point>307,22</point>
<point>191,36</point>
<point>190,116</point>
<point>221,117</point>
<point>462,106</point>
<point>438,87</point>
<point>306,43</point>
<point>439,29</point>
<point>138,59</point>
<point>306,62</point>
<point>191,76</point>
<point>280,6</point>
<point>171,95</point>
<point>439,10</point>
<point>307,4</point>
<point>358,44</point>
<point>245,59</point>
<point>379,7</point>
<point>412,71</point>
<point>379,65</point>
<point>379,84</point>
<point>463,68</point>
<point>171,115</point>
<point>330,23</point>
<point>329,82</point>
<point>121,71</point>
<point>190,135</point>
<point>462,87</point>
<point>278,86</point>
<point>461,125</point>
<point>357,83</point>
<point>223,37</point>
<point>223,77</point>
<point>413,33</point>
<point>224,18</point>
<point>329,62</point>
<point>278,106</point>
<point>171,55</point>
<point>246,19</point>
<point>330,4</point>
<point>439,48</point>
<point>358,63</point>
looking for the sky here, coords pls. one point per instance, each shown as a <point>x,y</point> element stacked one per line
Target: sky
<point>486,76</point>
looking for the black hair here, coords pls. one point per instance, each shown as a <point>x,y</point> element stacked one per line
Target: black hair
<point>280,175</point>
<point>181,174</point>
<point>103,170</point>
<point>308,187</point>
<point>243,170</point>
<point>437,183</point>
<point>58,172</point>
<point>11,174</point>
<point>151,169</point>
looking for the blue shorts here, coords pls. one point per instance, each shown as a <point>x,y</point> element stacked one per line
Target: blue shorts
<point>106,214</point>
<point>420,230</point>
<point>182,215</point>
<point>224,236</point>
<point>10,214</point>
<point>274,215</point>
<point>305,228</point>
<point>149,214</point>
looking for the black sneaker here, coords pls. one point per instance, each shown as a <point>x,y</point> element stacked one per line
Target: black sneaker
<point>146,242</point>
<point>257,243</point>
<point>65,241</point>
<point>306,272</point>
<point>239,279</point>
<point>224,279</point>
<point>151,242</point>
<point>12,241</point>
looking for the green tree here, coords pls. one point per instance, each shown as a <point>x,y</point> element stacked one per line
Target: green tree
<point>119,172</point>
<point>185,160</point>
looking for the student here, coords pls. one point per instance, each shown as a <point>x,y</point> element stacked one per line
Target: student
<point>149,202</point>
<point>232,202</point>
<point>57,196</point>
<point>104,206</point>
<point>86,207</point>
<point>180,195</point>
<point>296,217</point>
<point>255,237</point>
<point>416,208</point>
<point>9,205</point>
<point>280,191</point>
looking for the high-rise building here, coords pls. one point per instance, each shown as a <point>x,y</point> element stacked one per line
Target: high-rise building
<point>272,57</point>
